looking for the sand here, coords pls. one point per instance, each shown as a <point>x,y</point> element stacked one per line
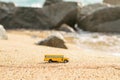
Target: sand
<point>21,59</point>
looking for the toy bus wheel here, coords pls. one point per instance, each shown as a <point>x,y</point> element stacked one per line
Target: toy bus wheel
<point>65,61</point>
<point>50,61</point>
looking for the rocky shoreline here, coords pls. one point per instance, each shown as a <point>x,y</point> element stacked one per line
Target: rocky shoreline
<point>99,17</point>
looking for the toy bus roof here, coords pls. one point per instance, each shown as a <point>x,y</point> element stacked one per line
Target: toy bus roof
<point>54,55</point>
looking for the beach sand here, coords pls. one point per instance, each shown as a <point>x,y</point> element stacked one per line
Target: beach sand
<point>22,59</point>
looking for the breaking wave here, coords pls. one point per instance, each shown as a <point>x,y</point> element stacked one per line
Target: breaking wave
<point>109,42</point>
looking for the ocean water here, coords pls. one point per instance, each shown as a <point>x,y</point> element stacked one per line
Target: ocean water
<point>106,42</point>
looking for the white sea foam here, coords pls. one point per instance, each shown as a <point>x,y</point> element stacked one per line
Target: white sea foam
<point>101,41</point>
<point>116,54</point>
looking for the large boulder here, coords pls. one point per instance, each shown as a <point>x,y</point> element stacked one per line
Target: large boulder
<point>48,17</point>
<point>3,34</point>
<point>64,12</point>
<point>27,18</point>
<point>8,7</point>
<point>103,20</point>
<point>49,2</point>
<point>89,9</point>
<point>54,41</point>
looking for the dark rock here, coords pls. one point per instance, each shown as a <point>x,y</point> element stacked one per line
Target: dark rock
<point>49,2</point>
<point>8,7</point>
<point>89,9</point>
<point>48,17</point>
<point>66,28</point>
<point>103,20</point>
<point>27,18</point>
<point>60,13</point>
<point>53,41</point>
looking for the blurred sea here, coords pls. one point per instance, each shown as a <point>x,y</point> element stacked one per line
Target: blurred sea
<point>106,42</point>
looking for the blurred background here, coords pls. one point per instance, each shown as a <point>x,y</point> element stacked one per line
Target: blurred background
<point>39,3</point>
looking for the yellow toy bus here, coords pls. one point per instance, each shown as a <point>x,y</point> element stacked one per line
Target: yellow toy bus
<point>55,58</point>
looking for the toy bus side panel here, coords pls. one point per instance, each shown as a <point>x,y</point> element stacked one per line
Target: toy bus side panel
<point>46,59</point>
<point>57,58</point>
